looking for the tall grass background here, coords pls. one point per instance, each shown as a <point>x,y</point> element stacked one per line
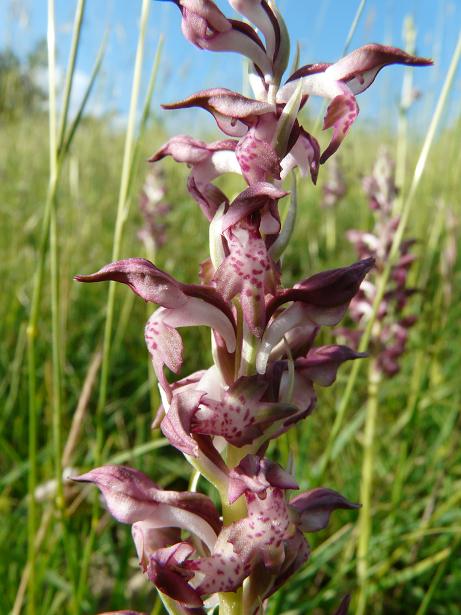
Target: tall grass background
<point>76,388</point>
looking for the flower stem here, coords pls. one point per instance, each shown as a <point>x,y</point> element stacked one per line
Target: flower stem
<point>122,214</point>
<point>49,221</point>
<point>230,603</point>
<point>364,524</point>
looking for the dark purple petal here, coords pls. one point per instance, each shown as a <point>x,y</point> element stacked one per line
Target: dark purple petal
<point>144,279</point>
<point>315,507</point>
<point>208,196</point>
<point>304,154</point>
<point>132,497</point>
<point>256,475</point>
<point>249,201</point>
<point>233,112</point>
<point>320,300</point>
<point>327,289</point>
<point>296,554</point>
<point>165,570</point>
<point>321,364</point>
<point>176,426</point>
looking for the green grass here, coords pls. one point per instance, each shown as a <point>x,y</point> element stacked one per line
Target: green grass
<point>415,513</point>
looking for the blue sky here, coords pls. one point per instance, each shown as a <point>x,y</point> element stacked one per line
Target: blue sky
<point>320,27</point>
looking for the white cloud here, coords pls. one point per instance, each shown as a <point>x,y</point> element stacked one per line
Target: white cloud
<point>95,106</point>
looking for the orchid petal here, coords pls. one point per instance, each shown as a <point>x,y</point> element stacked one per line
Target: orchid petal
<point>165,344</point>
<point>156,286</point>
<point>321,364</point>
<point>247,270</point>
<point>302,396</point>
<point>165,569</point>
<point>239,415</point>
<point>176,426</point>
<point>208,161</point>
<point>250,200</point>
<point>340,82</point>
<point>257,159</point>
<point>198,311</point>
<point>222,571</point>
<point>305,154</point>
<point>321,300</point>
<point>205,26</point>
<point>359,68</point>
<point>144,279</point>
<point>261,15</point>
<point>255,475</point>
<point>315,507</point>
<point>291,318</point>
<point>132,497</point>
<point>296,554</point>
<point>208,196</point>
<point>206,10</point>
<point>233,112</point>
<point>240,546</point>
<point>183,148</point>
<point>244,40</point>
<point>341,114</point>
<point>262,533</point>
<point>327,289</point>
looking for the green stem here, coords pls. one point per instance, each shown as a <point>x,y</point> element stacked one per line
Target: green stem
<point>354,25</point>
<point>402,128</point>
<point>122,214</point>
<point>230,603</point>
<point>32,326</point>
<point>78,20</point>
<point>54,261</point>
<point>364,523</point>
<point>330,230</point>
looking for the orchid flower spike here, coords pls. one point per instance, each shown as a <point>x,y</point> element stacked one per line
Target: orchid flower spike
<point>240,544</point>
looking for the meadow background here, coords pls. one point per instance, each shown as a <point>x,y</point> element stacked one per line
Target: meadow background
<point>69,203</point>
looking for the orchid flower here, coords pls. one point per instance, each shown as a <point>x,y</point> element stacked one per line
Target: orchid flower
<point>266,362</point>
<point>390,336</point>
<point>216,558</point>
